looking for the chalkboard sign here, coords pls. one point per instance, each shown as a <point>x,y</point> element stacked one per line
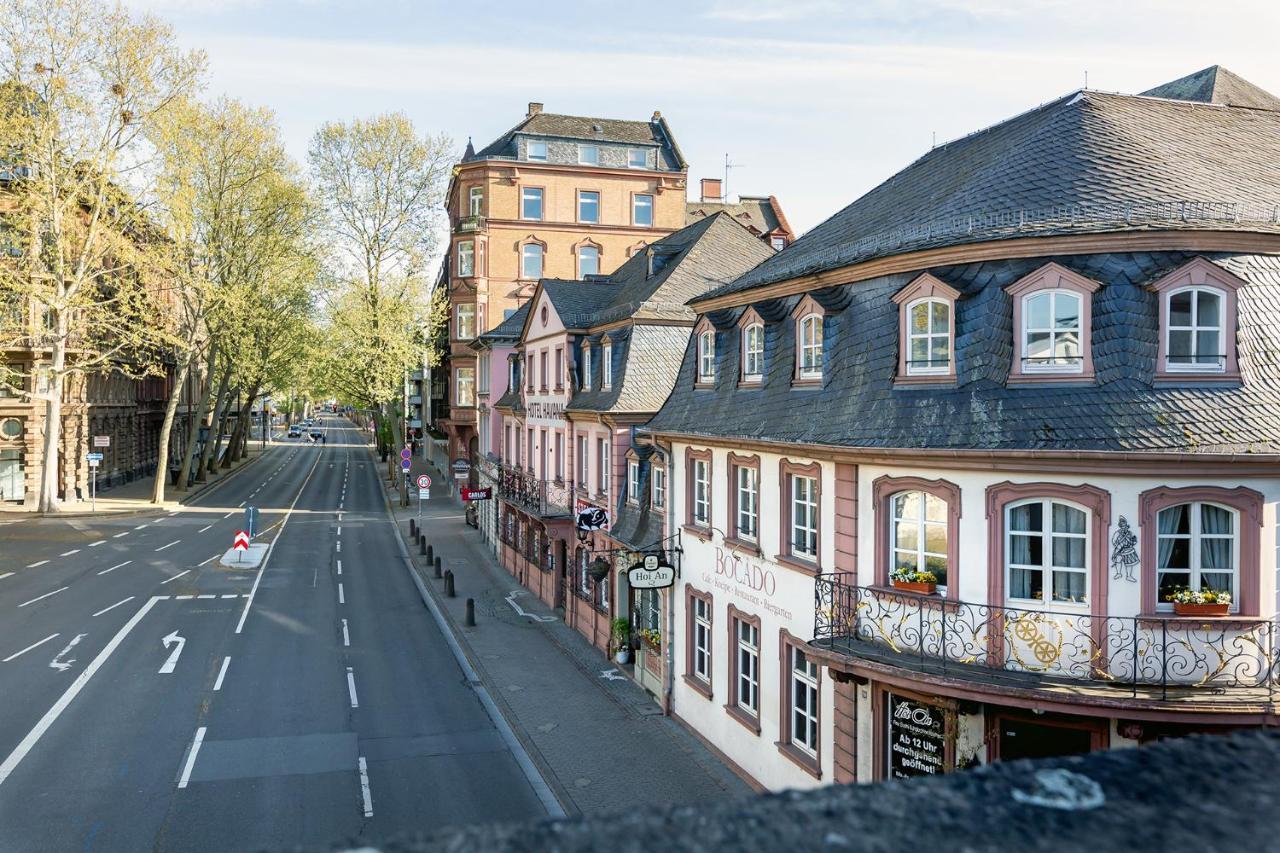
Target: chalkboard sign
<point>916,738</point>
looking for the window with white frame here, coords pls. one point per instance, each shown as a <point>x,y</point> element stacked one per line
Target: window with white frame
<point>633,482</point>
<point>753,352</point>
<point>803,695</point>
<point>465,386</point>
<point>642,210</point>
<point>918,535</point>
<point>606,366</point>
<point>531,203</point>
<point>747,642</point>
<point>511,375</point>
<point>602,473</point>
<point>1052,332</point>
<point>482,378</point>
<point>928,337</point>
<point>586,365</point>
<point>531,260</point>
<point>707,356</point>
<point>536,151</point>
<point>659,476</point>
<point>582,461</point>
<point>637,158</point>
<point>702,639</point>
<point>466,321</point>
<point>702,492</point>
<point>506,446</point>
<point>778,243</point>
<point>588,206</point>
<point>1047,553</point>
<point>809,334</point>
<point>559,460</point>
<point>475,200</point>
<point>584,574</point>
<point>589,155</point>
<point>804,516</point>
<point>1195,339</point>
<point>747,515</point>
<point>1197,550</point>
<point>588,261</point>
<point>466,258</point>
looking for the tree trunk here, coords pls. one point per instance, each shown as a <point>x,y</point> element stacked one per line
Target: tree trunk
<point>239,436</point>
<point>52,435</point>
<point>166,427</point>
<point>222,426</point>
<point>202,408</point>
<point>215,427</point>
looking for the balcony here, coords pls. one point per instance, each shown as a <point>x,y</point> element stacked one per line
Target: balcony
<point>1189,663</point>
<point>542,498</point>
<point>470,224</point>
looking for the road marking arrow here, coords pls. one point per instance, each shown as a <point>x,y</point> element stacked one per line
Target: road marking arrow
<point>61,665</point>
<point>173,656</point>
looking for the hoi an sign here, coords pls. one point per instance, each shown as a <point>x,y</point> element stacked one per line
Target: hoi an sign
<point>651,573</point>
<point>916,735</point>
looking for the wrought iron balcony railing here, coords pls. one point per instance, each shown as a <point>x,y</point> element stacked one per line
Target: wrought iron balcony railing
<point>1217,660</point>
<point>468,224</point>
<point>544,498</point>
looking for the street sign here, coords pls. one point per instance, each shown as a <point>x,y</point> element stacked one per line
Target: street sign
<point>424,482</point>
<point>251,520</point>
<point>424,494</point>
<point>460,467</point>
<point>241,541</point>
<point>476,494</point>
<point>93,457</point>
<point>102,441</point>
<point>405,465</point>
<point>591,517</point>
<point>651,574</point>
<point>406,454</point>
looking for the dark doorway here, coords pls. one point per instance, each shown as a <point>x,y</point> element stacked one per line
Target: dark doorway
<point>1021,738</point>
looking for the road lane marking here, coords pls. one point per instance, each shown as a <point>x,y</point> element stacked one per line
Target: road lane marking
<point>46,595</point>
<point>33,736</point>
<point>210,560</point>
<point>351,688</point>
<point>339,529</point>
<point>183,597</point>
<point>170,545</point>
<point>228,515</point>
<point>139,527</point>
<point>338,547</point>
<point>206,596</point>
<point>346,637</point>
<point>5,575</point>
<point>242,503</point>
<point>113,568</point>
<point>191,757</point>
<point>230,595</point>
<point>222,673</point>
<point>96,544</point>
<point>69,553</point>
<point>172,661</point>
<point>29,648</point>
<point>118,535</point>
<point>339,567</point>
<point>114,606</point>
<point>203,529</point>
<point>175,577</point>
<point>37,565</point>
<point>364,788</point>
<point>64,665</point>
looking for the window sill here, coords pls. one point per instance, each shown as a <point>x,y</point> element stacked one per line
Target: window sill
<point>699,686</point>
<point>750,722</point>
<point>743,545</point>
<point>1169,617</point>
<point>1190,377</point>
<point>1052,379</point>
<point>756,382</point>
<point>800,564</point>
<point>704,385</point>
<point>890,589</point>
<point>935,380</point>
<point>800,758</point>
<point>703,533</point>
<point>807,382</point>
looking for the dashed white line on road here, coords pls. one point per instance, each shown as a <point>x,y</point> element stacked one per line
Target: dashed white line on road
<point>46,595</point>
<point>69,553</point>
<point>339,567</point>
<point>351,688</point>
<point>183,597</point>
<point>222,673</point>
<point>96,544</point>
<point>210,560</point>
<point>339,529</point>
<point>206,596</point>
<point>5,575</point>
<point>170,545</point>
<point>346,637</point>
<point>342,599</point>
<point>175,577</point>
<point>242,503</point>
<point>230,595</point>
<point>28,648</point>
<point>364,788</point>
<point>139,527</point>
<point>338,547</point>
<point>36,565</point>
<point>203,529</point>
<point>114,606</point>
<point>113,568</point>
<point>228,515</point>
<point>191,758</point>
<point>118,535</point>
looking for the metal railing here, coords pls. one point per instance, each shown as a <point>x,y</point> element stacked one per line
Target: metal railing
<point>539,497</point>
<point>1222,659</point>
<point>468,224</point>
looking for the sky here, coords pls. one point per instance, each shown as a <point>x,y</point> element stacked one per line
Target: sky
<point>816,101</point>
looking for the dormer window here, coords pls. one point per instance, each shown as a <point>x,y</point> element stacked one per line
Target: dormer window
<point>606,366</point>
<point>707,356</point>
<point>753,353</point>
<point>1052,316</point>
<point>1197,323</point>
<point>636,158</point>
<point>659,476</point>
<point>926,331</point>
<point>536,151</point>
<point>586,366</point>
<point>809,337</point>
<point>633,482</point>
<point>589,155</point>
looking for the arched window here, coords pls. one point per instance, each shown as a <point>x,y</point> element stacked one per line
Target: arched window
<point>809,343</point>
<point>753,352</point>
<point>531,260</point>
<point>1046,553</point>
<point>928,337</point>
<point>1195,340</point>
<point>588,261</point>
<point>1051,332</point>
<point>707,356</point>
<point>918,534</point>
<point>1197,549</point>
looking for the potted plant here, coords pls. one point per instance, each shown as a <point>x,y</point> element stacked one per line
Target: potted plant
<point>622,636</point>
<point>1207,602</point>
<point>598,569</point>
<point>651,638</point>
<point>923,582</point>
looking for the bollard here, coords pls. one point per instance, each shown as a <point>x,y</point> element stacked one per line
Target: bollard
<point>422,546</point>
<point>413,529</point>
<point>448,585</point>
<point>437,562</point>
<point>431,554</point>
<point>470,621</point>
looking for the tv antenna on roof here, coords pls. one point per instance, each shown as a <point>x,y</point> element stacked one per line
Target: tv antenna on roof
<point>727,166</point>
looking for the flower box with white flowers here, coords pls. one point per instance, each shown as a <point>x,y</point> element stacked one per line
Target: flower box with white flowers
<point>911,580</point>
<point>1207,602</point>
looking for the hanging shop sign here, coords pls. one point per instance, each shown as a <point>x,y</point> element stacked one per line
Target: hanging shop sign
<point>476,494</point>
<point>652,573</point>
<point>917,737</point>
<point>589,517</point>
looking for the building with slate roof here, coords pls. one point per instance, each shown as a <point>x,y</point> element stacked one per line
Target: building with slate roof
<point>760,214</point>
<point>582,365</point>
<point>556,196</point>
<point>987,465</point>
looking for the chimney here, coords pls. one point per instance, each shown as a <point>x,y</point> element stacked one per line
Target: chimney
<point>534,109</point>
<point>711,189</point>
<point>657,117</point>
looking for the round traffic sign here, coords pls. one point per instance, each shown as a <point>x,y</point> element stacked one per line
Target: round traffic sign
<point>405,464</point>
<point>406,454</point>
<point>424,482</point>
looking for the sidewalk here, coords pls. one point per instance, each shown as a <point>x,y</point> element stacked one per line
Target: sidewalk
<point>599,741</point>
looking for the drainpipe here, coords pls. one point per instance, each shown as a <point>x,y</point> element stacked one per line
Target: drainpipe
<point>669,669</point>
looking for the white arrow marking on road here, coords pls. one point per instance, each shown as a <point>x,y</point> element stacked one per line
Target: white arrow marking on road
<point>61,665</point>
<point>511,599</point>
<point>29,648</point>
<point>46,595</point>
<point>173,656</point>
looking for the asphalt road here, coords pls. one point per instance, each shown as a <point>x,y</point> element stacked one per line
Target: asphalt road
<point>154,699</point>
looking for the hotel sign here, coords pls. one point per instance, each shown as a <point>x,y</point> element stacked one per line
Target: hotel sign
<point>546,411</point>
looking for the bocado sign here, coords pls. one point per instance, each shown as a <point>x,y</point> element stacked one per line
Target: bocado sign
<point>651,574</point>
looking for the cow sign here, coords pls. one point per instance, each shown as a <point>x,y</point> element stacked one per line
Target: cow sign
<point>591,517</point>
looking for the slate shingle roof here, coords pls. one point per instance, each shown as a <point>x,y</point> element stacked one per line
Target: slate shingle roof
<point>509,329</point>
<point>759,213</point>
<point>646,360</point>
<point>1216,85</point>
<point>858,405</point>
<point>622,131</point>
<point>1085,163</point>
